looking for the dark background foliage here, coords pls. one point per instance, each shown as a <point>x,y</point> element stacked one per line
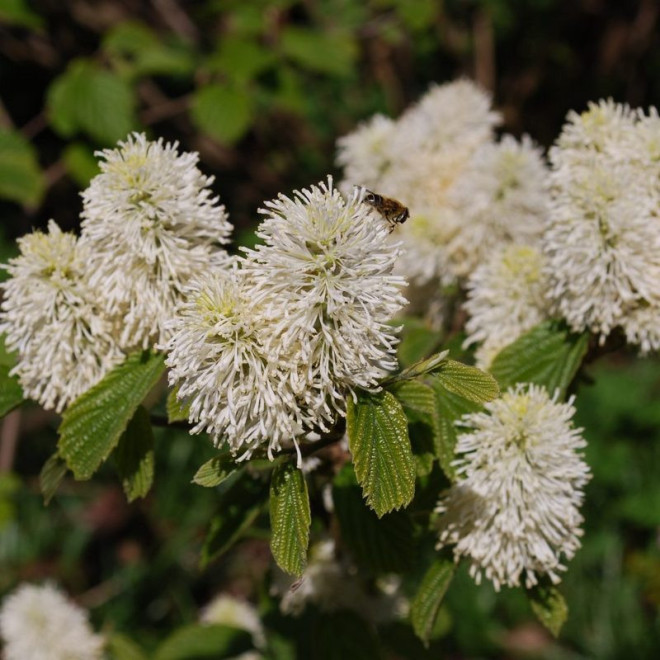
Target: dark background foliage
<point>262,90</point>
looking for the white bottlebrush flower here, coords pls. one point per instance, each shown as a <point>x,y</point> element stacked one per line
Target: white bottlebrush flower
<point>230,611</point>
<point>324,288</point>
<point>514,510</point>
<point>151,223</point>
<point>52,318</point>
<point>41,623</point>
<point>223,369</point>
<point>603,240</point>
<point>507,296</point>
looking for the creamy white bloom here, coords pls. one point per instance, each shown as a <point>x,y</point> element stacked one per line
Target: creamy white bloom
<point>323,286</point>
<point>514,510</point>
<point>41,623</point>
<point>151,223</point>
<point>223,369</point>
<point>230,611</point>
<point>507,296</point>
<point>52,318</point>
<point>603,241</point>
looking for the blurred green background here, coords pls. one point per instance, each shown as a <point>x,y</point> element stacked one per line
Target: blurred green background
<point>262,90</point>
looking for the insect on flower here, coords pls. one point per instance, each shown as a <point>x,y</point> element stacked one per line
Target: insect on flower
<point>393,211</point>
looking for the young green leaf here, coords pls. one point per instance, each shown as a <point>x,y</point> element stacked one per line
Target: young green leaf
<point>549,606</point>
<point>290,518</point>
<point>215,471</point>
<point>426,604</point>
<point>120,647</point>
<point>547,355</point>
<point>135,456</point>
<point>92,425</point>
<point>379,442</point>
<point>417,399</point>
<point>11,394</point>
<point>379,545</point>
<point>177,411</point>
<point>51,476</point>
<point>204,641</point>
<point>468,382</point>
<point>421,368</point>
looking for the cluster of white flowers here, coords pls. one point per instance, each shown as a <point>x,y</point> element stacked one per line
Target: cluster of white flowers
<point>507,296</point>
<point>514,510</point>
<point>41,623</point>
<point>73,308</point>
<point>466,193</point>
<point>603,242</point>
<point>331,584</point>
<point>267,350</point>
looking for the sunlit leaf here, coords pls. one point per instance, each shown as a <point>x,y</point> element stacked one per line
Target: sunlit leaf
<point>215,471</point>
<point>549,606</point>
<point>468,382</point>
<point>426,604</point>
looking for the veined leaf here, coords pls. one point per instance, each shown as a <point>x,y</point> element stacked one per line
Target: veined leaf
<point>379,442</point>
<point>135,456</point>
<point>92,425</point>
<point>177,410</point>
<point>11,394</point>
<point>204,641</point>
<point>549,606</point>
<point>51,476</point>
<point>290,518</point>
<point>379,545</point>
<point>417,399</point>
<point>427,366</point>
<point>215,471</point>
<point>426,604</point>
<point>547,355</point>
<point>466,381</point>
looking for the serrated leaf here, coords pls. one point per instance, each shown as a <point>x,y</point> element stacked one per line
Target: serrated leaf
<point>468,382</point>
<point>417,399</point>
<point>382,455</point>
<point>135,456</point>
<point>448,408</point>
<point>177,410</point>
<point>91,99</point>
<point>92,425</point>
<point>51,476</point>
<point>547,355</point>
<point>290,518</point>
<point>343,635</point>
<point>426,604</point>
<point>21,179</point>
<point>378,545</point>
<point>240,501</point>
<point>215,471</point>
<point>204,641</point>
<point>11,394</point>
<point>120,647</point>
<point>549,607</point>
<point>224,113</point>
<point>427,366</point>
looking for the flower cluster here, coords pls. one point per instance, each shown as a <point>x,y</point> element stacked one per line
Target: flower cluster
<point>267,350</point>
<point>466,193</point>
<point>514,510</point>
<point>78,306</point>
<point>603,243</point>
<point>41,623</point>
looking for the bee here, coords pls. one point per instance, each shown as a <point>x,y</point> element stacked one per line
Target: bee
<point>393,211</point>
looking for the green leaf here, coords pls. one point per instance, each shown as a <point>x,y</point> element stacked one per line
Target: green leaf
<point>241,500</point>
<point>215,471</point>
<point>224,113</point>
<point>177,410</point>
<point>378,440</point>
<point>290,518</point>
<point>80,163</point>
<point>421,368</point>
<point>332,53</point>
<point>21,179</point>
<point>51,476</point>
<point>92,425</point>
<point>426,604</point>
<point>344,635</point>
<point>547,355</point>
<point>11,394</point>
<point>448,408</point>
<point>241,59</point>
<point>204,641</point>
<point>18,12</point>
<point>121,647</point>
<point>468,382</point>
<point>135,456</point>
<point>549,607</point>
<point>90,99</point>
<point>378,545</point>
<point>417,399</point>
